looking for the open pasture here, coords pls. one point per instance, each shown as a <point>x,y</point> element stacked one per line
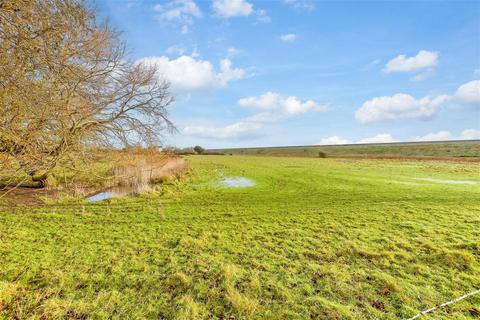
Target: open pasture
<point>465,150</point>
<point>312,239</point>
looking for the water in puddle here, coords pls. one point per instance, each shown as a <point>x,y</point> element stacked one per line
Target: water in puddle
<point>237,182</point>
<point>448,181</point>
<point>111,193</point>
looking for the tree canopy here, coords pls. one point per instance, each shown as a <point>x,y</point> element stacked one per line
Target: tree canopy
<point>67,84</point>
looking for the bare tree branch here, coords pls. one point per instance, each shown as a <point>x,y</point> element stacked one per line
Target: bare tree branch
<point>66,84</point>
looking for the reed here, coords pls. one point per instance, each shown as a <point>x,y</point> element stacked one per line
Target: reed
<point>140,171</point>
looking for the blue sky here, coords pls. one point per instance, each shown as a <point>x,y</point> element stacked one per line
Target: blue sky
<point>298,72</point>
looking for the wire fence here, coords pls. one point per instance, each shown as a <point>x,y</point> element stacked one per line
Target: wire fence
<point>444,304</point>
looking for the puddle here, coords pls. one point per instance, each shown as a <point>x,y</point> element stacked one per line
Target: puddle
<point>172,168</point>
<point>237,182</point>
<point>448,181</point>
<point>112,193</point>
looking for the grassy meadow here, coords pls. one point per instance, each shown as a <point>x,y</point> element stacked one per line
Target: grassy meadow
<point>313,239</point>
<point>441,149</point>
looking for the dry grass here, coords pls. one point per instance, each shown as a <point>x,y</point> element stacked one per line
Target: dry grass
<point>135,168</point>
<point>140,171</point>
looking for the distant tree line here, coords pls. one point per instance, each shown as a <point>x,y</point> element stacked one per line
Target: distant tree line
<point>197,150</point>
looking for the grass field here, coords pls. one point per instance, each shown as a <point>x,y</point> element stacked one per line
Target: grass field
<point>314,239</point>
<point>467,148</point>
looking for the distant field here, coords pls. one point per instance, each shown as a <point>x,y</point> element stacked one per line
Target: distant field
<point>469,148</point>
<point>313,239</point>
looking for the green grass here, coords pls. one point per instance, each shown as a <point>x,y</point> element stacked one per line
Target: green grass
<point>418,149</point>
<point>314,239</point>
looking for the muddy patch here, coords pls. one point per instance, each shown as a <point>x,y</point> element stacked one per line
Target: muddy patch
<point>446,181</point>
<point>25,196</point>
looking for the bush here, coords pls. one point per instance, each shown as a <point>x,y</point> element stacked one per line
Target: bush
<point>199,149</point>
<point>322,154</point>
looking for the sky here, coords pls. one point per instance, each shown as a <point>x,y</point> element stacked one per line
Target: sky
<point>250,73</point>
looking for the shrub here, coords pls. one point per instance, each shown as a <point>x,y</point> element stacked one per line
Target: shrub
<point>198,149</point>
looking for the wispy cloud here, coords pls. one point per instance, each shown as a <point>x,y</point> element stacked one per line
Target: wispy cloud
<point>467,134</point>
<point>423,75</point>
<point>443,135</point>
<point>262,16</point>
<point>232,8</point>
<point>435,136</point>
<point>307,5</point>
<point>181,12</point>
<point>236,131</point>
<point>289,37</point>
<point>379,138</point>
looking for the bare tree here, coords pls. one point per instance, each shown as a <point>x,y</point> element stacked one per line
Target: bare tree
<point>66,84</point>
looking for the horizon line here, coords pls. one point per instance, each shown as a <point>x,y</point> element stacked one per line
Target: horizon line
<point>348,144</point>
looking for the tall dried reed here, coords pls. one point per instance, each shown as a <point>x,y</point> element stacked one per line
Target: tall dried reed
<point>139,171</point>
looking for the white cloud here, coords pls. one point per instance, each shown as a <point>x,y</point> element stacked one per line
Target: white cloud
<point>470,134</point>
<point>262,16</point>
<point>334,140</point>
<point>289,37</point>
<point>232,52</point>
<point>424,59</point>
<point>183,11</point>
<point>276,108</point>
<point>469,92</point>
<point>228,73</point>
<point>423,75</point>
<point>379,138</point>
<point>185,29</point>
<point>436,136</point>
<point>267,117</point>
<point>467,134</point>
<point>178,50</point>
<point>186,73</point>
<point>274,102</point>
<point>399,106</point>
<point>307,5</point>
<point>232,8</point>
<point>239,130</point>
<point>404,106</point>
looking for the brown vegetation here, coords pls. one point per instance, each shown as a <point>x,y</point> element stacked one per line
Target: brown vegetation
<point>66,86</point>
<point>135,169</point>
<point>140,171</point>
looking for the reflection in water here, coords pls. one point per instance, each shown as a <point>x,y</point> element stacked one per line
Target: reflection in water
<point>237,182</point>
<point>112,193</point>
